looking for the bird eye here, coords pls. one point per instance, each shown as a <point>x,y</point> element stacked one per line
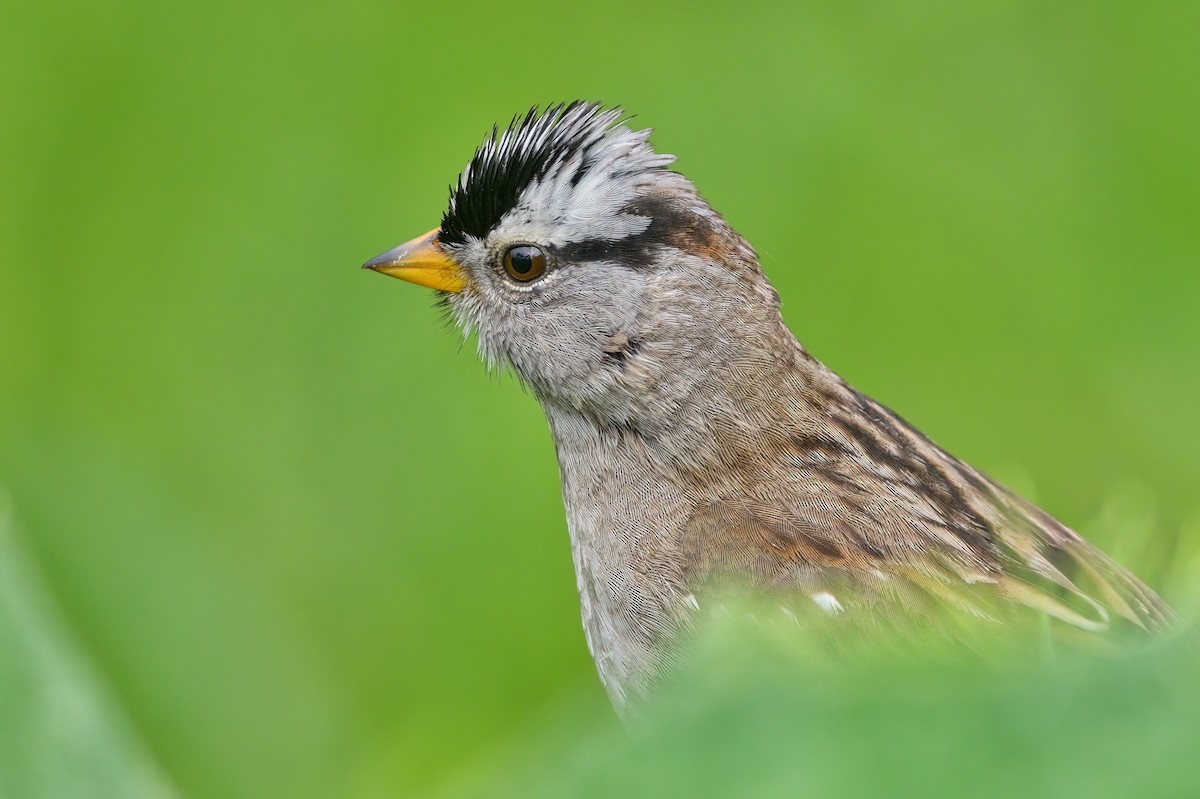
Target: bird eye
<point>525,263</point>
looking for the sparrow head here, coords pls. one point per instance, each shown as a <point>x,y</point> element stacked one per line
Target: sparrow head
<point>596,272</point>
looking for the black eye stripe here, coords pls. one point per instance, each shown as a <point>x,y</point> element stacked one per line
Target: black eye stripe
<point>635,252</point>
<point>670,225</point>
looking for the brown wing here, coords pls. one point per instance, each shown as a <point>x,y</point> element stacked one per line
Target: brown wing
<point>829,562</point>
<point>862,510</point>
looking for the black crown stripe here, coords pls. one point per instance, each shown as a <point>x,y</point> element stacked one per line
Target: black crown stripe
<point>505,164</point>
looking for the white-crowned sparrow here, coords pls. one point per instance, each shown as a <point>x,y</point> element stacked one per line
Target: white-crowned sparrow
<point>696,438</point>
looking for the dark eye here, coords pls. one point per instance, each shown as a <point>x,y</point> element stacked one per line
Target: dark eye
<point>525,263</point>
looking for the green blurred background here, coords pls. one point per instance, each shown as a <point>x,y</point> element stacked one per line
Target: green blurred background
<point>295,540</point>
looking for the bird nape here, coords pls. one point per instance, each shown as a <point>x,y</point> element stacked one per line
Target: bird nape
<point>702,449</point>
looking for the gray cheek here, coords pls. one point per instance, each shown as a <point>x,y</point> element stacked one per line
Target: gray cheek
<point>563,336</point>
<point>600,302</point>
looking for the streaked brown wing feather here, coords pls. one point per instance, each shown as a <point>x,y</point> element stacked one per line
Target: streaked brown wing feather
<point>866,509</point>
<point>737,544</point>
<point>1049,562</point>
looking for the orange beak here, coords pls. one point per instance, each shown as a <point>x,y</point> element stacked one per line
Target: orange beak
<point>421,261</point>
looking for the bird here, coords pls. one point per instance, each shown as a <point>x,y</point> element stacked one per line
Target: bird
<point>699,443</point>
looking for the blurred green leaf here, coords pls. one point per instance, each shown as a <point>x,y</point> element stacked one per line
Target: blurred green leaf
<point>63,734</point>
<point>771,713</point>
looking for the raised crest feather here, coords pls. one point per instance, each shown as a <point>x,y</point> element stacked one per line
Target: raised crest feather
<point>532,147</point>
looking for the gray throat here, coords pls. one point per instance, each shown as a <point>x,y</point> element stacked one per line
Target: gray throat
<point>623,515</point>
<point>629,495</point>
